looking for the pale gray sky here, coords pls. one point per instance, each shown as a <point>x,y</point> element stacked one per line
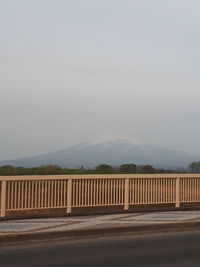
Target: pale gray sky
<point>71,71</point>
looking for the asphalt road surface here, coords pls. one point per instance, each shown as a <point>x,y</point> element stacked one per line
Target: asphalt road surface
<point>169,249</point>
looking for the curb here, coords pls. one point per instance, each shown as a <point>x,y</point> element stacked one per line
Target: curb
<point>95,232</point>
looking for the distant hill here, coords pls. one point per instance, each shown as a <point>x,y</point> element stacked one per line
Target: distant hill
<point>112,152</point>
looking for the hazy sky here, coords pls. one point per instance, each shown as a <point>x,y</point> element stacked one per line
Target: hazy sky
<point>74,70</point>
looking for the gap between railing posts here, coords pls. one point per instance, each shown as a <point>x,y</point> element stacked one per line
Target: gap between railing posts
<point>3,199</point>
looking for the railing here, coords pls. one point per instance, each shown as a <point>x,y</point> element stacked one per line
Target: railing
<point>19,193</point>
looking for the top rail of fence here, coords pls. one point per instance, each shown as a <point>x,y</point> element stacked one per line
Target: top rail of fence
<point>97,176</point>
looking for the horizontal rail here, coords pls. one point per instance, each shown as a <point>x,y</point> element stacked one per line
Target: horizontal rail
<point>96,176</point>
<point>22,193</point>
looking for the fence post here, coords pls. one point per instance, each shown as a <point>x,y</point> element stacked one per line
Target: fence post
<point>126,195</point>
<point>3,198</point>
<point>178,192</point>
<point>69,196</point>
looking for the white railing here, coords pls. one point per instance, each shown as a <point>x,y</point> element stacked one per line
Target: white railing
<point>18,193</point>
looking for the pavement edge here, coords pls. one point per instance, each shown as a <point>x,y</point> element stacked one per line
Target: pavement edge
<point>96,232</point>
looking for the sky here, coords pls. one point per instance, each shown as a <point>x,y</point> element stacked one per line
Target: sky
<point>75,71</point>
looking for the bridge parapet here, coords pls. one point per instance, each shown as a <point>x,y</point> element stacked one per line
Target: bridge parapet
<point>19,193</point>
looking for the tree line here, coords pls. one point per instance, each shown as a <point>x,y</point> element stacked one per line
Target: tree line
<point>194,167</point>
<point>100,169</point>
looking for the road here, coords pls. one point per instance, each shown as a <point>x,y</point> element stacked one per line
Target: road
<point>169,249</point>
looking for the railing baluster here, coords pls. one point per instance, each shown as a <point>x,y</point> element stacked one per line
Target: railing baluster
<point>177,192</point>
<point>3,198</point>
<point>69,196</point>
<point>126,194</point>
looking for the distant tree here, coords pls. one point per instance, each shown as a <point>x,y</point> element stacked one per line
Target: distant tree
<point>24,171</point>
<point>7,170</point>
<point>103,168</point>
<point>48,170</point>
<point>81,170</point>
<point>128,168</point>
<point>194,167</point>
<point>147,169</point>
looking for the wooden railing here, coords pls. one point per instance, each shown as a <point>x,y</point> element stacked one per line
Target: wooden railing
<point>19,193</point>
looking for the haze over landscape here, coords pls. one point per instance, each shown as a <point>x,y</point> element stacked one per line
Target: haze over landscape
<point>77,71</point>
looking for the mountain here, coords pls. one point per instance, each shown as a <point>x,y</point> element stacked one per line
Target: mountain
<point>112,152</point>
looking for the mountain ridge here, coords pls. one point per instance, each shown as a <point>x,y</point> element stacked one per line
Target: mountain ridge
<point>112,152</point>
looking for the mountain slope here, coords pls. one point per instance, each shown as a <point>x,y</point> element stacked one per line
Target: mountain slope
<point>112,152</point>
